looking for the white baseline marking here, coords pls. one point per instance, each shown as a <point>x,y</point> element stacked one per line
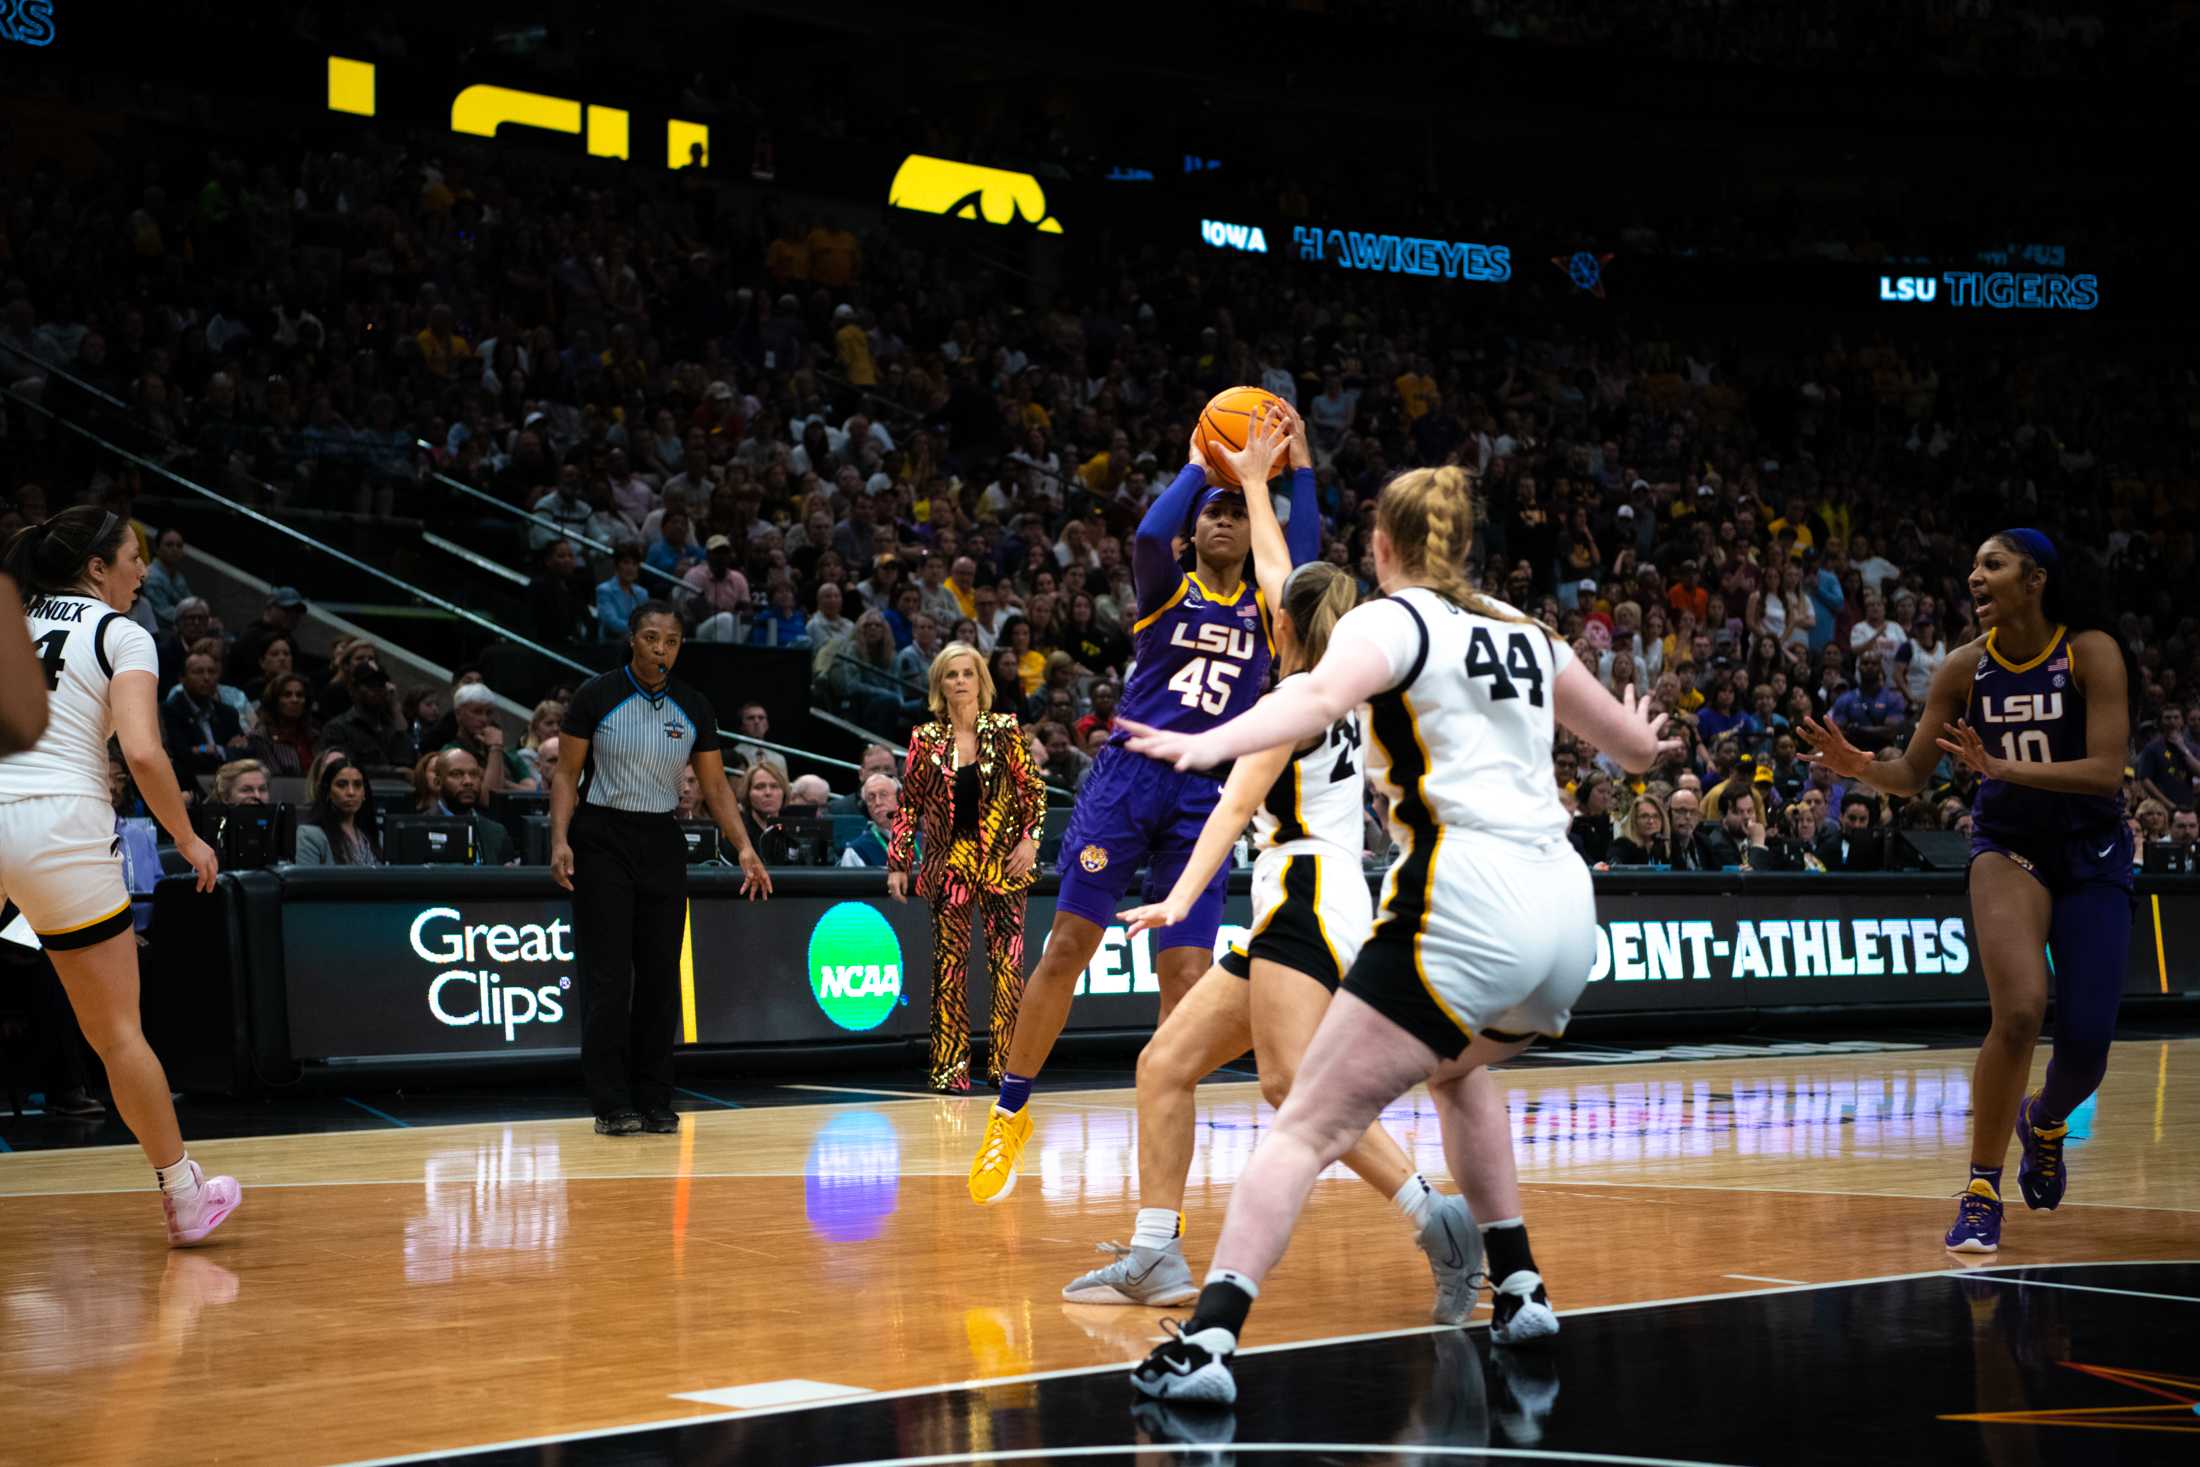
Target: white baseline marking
<point>1764,1278</point>
<point>2086,1288</point>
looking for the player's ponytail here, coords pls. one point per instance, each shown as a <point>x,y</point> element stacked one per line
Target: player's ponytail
<point>50,557</point>
<point>1314,597</point>
<point>1428,517</point>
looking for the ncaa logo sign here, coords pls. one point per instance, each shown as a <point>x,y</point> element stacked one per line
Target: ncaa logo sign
<point>855,966</point>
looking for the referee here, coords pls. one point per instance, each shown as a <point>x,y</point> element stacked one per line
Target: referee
<point>628,735</point>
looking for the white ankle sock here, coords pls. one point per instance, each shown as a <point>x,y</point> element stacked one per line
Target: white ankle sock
<point>1416,1200</point>
<point>176,1180</point>
<point>1157,1227</point>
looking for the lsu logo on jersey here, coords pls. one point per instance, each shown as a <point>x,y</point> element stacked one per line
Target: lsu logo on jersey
<point>1094,859</point>
<point>1214,640</point>
<point>970,191</point>
<point>2022,708</point>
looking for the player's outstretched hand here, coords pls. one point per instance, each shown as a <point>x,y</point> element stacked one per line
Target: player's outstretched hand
<point>1824,743</point>
<point>1151,917</point>
<point>203,861</point>
<point>1645,712</point>
<point>1184,751</point>
<point>1962,740</point>
<point>1255,463</point>
<point>1197,456</point>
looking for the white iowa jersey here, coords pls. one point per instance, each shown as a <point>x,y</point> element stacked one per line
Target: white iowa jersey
<point>1315,805</point>
<point>1463,738</point>
<point>81,643</point>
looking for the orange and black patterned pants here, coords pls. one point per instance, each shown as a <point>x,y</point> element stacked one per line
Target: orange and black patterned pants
<point>955,913</point>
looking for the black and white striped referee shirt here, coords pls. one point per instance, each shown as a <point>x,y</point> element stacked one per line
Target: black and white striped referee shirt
<point>638,741</point>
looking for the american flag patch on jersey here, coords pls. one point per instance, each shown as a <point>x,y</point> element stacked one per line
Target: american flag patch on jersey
<point>1248,611</point>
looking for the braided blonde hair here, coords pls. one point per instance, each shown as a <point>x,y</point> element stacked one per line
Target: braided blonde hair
<point>1428,516</point>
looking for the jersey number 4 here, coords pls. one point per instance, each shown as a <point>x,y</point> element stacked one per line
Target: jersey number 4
<point>1519,666</point>
<point>1205,683</point>
<point>49,657</point>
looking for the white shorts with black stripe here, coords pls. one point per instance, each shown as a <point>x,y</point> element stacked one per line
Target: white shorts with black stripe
<point>61,866</point>
<point>1311,912</point>
<point>1480,934</point>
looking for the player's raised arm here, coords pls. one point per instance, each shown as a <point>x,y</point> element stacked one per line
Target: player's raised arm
<point>1303,535</point>
<point>1252,465</point>
<point>1153,547</point>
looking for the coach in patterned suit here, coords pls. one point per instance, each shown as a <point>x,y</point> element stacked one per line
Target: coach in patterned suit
<point>970,790</point>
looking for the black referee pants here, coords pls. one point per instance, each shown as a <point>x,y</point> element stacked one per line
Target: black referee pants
<point>629,914</point>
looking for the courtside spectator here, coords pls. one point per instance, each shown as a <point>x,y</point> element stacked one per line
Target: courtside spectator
<point>200,731</point>
<point>620,596</point>
<point>166,586</point>
<point>478,733</point>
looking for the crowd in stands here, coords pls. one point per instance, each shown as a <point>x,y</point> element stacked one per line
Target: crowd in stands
<point>825,440</point>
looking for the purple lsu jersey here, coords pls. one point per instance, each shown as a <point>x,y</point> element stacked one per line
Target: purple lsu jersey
<point>2033,713</point>
<point>1202,659</point>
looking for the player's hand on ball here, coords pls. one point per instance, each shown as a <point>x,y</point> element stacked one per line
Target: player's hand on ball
<point>1152,917</point>
<point>203,861</point>
<point>1195,456</point>
<point>1255,463</point>
<point>561,865</point>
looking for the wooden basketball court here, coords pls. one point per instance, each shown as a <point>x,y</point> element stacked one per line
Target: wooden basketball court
<point>433,1290</point>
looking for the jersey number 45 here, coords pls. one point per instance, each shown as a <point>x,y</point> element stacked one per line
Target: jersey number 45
<point>1205,683</point>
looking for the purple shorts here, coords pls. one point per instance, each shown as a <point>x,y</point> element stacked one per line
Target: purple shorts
<point>1133,812</point>
<point>2064,863</point>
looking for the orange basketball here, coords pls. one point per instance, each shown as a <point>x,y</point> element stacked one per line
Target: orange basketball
<point>1224,425</point>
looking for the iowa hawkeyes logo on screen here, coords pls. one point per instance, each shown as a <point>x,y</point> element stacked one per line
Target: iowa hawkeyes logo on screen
<point>970,191</point>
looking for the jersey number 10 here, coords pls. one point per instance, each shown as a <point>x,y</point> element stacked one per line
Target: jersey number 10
<point>1518,666</point>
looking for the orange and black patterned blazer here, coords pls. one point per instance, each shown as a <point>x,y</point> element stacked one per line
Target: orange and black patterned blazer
<point>1011,802</point>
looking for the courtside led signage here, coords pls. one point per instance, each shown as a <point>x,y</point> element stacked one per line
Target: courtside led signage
<point>482,110</point>
<point>855,965</point>
<point>1221,236</point>
<point>1354,249</point>
<point>970,191</point>
<point>1998,290</point>
<point>27,22</point>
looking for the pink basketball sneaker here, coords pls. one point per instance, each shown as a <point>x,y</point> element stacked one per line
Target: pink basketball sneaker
<point>208,1205</point>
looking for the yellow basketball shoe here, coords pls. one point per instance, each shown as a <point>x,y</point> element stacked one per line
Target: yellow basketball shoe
<point>993,1174</point>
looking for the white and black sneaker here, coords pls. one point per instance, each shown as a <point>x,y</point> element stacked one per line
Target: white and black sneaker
<point>1193,1368</point>
<point>1520,1311</point>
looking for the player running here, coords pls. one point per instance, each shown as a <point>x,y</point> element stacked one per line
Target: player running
<point>59,859</point>
<point>2051,861</point>
<point>1486,929</point>
<point>1202,645</point>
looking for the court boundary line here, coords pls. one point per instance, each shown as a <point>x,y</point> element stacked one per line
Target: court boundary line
<point>1397,1449</point>
<point>907,1173</point>
<point>1071,1372</point>
<point>1056,1097</point>
<point>2093,1289</point>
